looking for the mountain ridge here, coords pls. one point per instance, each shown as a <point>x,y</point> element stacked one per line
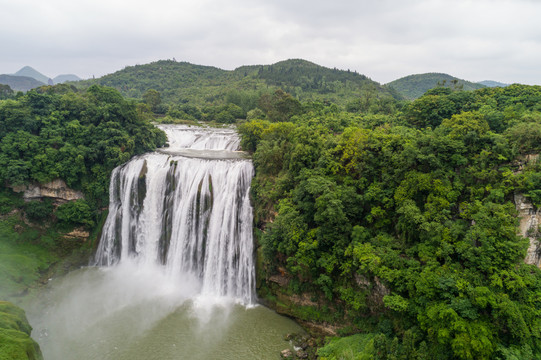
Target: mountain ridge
<point>29,71</point>
<point>183,82</point>
<point>20,83</point>
<point>492,83</point>
<point>62,78</point>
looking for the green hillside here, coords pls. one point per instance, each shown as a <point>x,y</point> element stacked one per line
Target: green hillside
<point>414,86</point>
<point>176,81</point>
<point>182,82</point>
<point>308,81</point>
<point>20,83</point>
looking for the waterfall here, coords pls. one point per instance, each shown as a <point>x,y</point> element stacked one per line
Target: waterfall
<point>186,208</point>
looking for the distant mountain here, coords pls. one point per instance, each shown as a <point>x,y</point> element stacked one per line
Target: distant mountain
<point>414,86</point>
<point>33,73</point>
<point>491,83</point>
<point>20,83</point>
<point>60,79</point>
<point>180,82</point>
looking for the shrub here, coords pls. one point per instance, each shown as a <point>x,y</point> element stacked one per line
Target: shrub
<point>39,210</point>
<point>76,212</point>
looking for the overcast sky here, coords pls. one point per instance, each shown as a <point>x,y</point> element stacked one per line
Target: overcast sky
<point>382,39</point>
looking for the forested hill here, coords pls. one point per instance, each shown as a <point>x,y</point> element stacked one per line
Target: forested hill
<point>414,86</point>
<point>182,82</point>
<point>309,81</point>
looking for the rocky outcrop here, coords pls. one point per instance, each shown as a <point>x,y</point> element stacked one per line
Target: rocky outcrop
<point>78,234</point>
<point>524,161</point>
<point>528,214</point>
<point>530,218</point>
<point>56,189</point>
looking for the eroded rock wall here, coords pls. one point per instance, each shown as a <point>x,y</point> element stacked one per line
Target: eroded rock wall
<point>56,189</point>
<point>530,218</point>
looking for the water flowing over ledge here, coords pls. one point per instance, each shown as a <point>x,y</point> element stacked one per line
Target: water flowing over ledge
<point>186,208</point>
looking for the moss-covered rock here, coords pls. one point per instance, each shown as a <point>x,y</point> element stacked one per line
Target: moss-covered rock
<point>15,340</point>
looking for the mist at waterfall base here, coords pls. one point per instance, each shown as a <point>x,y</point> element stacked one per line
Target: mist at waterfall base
<point>175,276</point>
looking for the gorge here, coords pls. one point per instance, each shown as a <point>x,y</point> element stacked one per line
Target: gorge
<point>175,274</point>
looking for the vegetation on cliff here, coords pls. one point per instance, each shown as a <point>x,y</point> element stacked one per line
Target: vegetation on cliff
<point>15,341</point>
<point>402,226</point>
<point>58,132</point>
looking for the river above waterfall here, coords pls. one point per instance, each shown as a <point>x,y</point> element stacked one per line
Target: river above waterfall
<point>174,273</point>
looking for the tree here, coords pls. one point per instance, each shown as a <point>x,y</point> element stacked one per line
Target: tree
<point>152,98</point>
<point>5,92</point>
<point>280,106</point>
<point>429,111</point>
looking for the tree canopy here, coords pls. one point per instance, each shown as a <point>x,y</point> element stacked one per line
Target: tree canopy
<point>56,132</point>
<point>403,225</point>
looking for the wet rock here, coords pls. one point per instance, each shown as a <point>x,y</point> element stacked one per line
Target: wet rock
<point>286,354</point>
<point>280,280</point>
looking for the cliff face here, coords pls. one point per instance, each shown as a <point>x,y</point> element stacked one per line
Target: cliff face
<point>56,189</point>
<point>530,219</point>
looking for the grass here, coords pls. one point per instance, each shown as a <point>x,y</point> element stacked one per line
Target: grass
<point>28,255</point>
<point>23,258</point>
<point>355,347</point>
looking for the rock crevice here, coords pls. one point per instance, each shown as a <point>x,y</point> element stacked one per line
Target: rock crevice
<point>530,218</point>
<point>56,189</point>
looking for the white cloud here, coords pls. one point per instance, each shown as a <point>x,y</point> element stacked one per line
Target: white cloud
<point>387,39</point>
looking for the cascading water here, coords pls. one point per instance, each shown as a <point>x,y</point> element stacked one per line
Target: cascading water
<point>187,208</point>
<point>175,265</point>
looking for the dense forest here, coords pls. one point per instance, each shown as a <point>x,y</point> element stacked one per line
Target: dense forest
<point>401,228</point>
<point>391,222</point>
<point>56,132</point>
<point>203,93</point>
